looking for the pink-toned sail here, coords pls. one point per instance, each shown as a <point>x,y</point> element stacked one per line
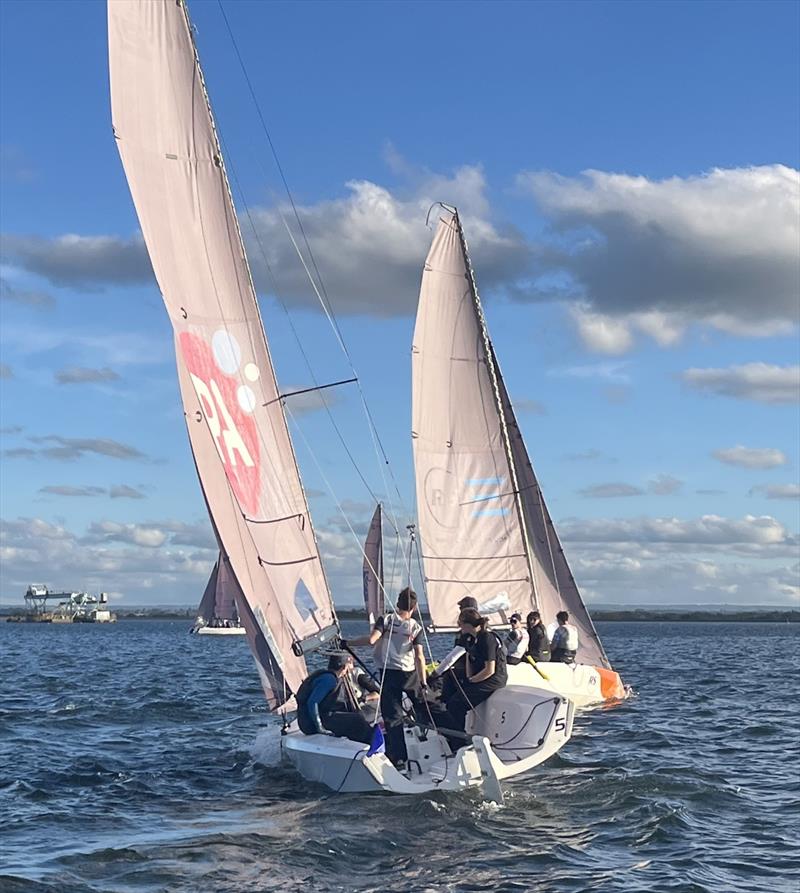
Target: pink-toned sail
<point>471,537</point>
<point>373,567</point>
<point>238,432</point>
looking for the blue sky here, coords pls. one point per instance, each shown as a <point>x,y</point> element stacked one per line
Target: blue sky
<point>645,313</point>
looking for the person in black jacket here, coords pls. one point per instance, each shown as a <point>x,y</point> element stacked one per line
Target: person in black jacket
<point>538,640</point>
<point>486,672</point>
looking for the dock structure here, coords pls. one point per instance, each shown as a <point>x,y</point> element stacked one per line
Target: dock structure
<point>70,607</point>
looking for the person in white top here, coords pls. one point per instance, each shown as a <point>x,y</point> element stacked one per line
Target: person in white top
<point>564,644</point>
<point>516,640</point>
<point>397,639</point>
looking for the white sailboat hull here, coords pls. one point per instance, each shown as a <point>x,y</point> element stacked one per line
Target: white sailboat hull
<point>512,733</point>
<point>583,684</point>
<point>219,631</point>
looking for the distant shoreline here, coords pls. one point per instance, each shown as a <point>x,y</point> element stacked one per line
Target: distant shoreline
<point>771,615</point>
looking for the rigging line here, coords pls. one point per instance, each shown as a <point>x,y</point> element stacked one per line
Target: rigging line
<point>325,303</point>
<point>296,335</point>
<point>337,502</point>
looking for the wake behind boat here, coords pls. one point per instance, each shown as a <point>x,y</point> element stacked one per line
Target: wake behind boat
<point>235,416</point>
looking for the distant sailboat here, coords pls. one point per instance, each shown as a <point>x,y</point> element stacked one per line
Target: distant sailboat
<point>485,529</point>
<point>217,614</point>
<point>373,567</point>
<point>238,433</point>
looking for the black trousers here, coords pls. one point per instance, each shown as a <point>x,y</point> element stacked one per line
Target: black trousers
<point>348,725</point>
<point>395,683</point>
<point>562,656</point>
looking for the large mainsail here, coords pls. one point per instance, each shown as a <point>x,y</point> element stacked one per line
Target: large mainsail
<point>373,567</point>
<point>485,527</point>
<point>240,441</point>
<point>472,539</point>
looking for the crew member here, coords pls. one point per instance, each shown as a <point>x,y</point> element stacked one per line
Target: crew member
<point>401,666</point>
<point>538,640</point>
<point>516,640</point>
<point>486,671</point>
<point>458,672</point>
<point>323,706</point>
<point>564,644</point>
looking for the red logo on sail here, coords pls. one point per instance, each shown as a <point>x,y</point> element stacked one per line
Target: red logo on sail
<point>227,406</point>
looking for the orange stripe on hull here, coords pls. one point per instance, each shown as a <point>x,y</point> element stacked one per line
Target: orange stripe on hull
<point>611,686</point>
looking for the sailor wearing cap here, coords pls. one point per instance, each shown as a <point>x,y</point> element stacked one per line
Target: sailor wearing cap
<point>516,640</point>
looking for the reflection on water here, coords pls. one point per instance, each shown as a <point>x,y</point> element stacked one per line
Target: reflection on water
<point>139,758</point>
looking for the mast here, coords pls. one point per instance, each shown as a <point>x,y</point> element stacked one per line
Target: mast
<point>493,374</point>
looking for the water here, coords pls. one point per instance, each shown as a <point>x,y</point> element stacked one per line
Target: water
<point>126,764</point>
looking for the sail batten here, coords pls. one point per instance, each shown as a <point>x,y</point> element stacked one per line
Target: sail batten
<point>167,139</point>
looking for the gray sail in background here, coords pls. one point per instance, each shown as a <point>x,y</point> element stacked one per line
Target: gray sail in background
<point>471,537</point>
<point>554,584</point>
<point>240,441</point>
<point>219,598</point>
<point>373,567</point>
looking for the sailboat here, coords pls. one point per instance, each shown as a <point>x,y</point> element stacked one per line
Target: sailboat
<point>484,526</point>
<point>166,136</point>
<point>372,568</point>
<point>218,614</point>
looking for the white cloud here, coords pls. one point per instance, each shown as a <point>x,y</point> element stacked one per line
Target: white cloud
<point>664,484</point>
<point>611,490</point>
<point>83,375</point>
<point>777,491</point>
<point>656,255</point>
<point>762,382</point>
<point>750,457</point>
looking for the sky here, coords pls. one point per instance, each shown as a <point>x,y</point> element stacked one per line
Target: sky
<point>627,176</point>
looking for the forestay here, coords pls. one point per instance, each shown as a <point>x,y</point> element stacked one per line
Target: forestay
<point>237,428</point>
<point>373,567</point>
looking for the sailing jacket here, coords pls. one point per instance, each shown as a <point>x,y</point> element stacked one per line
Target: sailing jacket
<point>539,645</point>
<point>319,695</point>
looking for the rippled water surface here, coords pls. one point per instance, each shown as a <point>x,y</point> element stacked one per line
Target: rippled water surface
<point>126,764</point>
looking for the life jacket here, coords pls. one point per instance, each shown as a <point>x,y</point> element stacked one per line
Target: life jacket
<point>327,705</point>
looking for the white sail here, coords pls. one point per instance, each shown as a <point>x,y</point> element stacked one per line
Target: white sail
<point>485,528</point>
<point>472,540</point>
<point>373,567</point>
<point>241,446</point>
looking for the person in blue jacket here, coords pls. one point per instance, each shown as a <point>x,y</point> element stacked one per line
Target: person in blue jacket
<point>323,707</point>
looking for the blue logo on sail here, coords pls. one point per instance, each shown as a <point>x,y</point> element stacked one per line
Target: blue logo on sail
<point>482,510</point>
<point>304,601</point>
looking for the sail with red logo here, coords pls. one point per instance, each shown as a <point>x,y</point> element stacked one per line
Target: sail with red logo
<point>240,441</point>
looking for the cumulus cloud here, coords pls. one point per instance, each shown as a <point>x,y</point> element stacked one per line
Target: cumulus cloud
<point>67,449</point>
<point>762,532</point>
<point>750,457</point>
<point>82,375</point>
<point>300,404</point>
<point>753,381</point>
<point>777,491</point>
<point>664,484</point>
<point>611,490</point>
<point>80,261</point>
<point>66,490</point>
<point>654,256</point>
<point>25,296</point>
